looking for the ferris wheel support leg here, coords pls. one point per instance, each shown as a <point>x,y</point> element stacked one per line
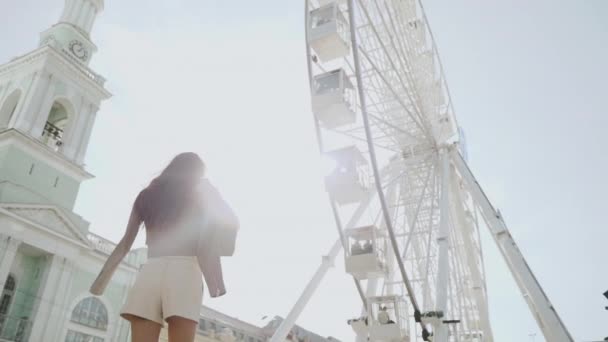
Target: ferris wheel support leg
<point>391,262</point>
<point>543,311</point>
<point>285,326</point>
<point>328,261</point>
<point>440,330</point>
<point>468,228</point>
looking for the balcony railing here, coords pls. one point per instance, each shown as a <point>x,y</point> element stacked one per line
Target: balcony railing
<point>14,329</point>
<point>101,244</point>
<point>106,247</point>
<point>53,135</point>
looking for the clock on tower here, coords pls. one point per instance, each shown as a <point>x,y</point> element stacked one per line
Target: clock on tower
<point>79,50</point>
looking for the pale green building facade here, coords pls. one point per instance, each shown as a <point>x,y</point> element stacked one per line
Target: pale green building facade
<point>49,99</point>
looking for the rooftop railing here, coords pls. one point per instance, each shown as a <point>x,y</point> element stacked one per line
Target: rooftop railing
<point>107,247</point>
<point>86,71</point>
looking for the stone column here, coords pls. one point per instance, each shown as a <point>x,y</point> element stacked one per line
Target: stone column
<point>84,142</point>
<point>48,293</point>
<point>76,12</point>
<point>64,312</point>
<point>73,135</point>
<point>91,18</point>
<point>66,10</point>
<point>4,91</point>
<point>3,94</point>
<point>72,10</point>
<point>83,15</point>
<point>23,121</point>
<point>8,250</point>
<point>56,317</point>
<point>41,115</point>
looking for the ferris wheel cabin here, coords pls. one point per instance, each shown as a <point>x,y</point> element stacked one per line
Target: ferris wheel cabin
<point>365,257</point>
<point>333,99</point>
<point>328,33</point>
<point>348,182</point>
<point>387,319</point>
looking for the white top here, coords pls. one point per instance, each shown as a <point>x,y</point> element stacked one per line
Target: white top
<point>184,239</point>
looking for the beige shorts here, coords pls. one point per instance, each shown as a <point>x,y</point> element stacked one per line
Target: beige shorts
<point>165,287</point>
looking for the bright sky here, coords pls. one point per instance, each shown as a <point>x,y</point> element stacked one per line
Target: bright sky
<point>227,79</point>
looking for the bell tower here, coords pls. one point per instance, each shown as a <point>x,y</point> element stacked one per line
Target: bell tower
<point>49,99</point>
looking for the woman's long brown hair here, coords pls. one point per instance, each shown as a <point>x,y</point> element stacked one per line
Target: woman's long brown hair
<point>170,195</point>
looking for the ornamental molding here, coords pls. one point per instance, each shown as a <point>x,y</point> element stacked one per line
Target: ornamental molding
<point>83,35</point>
<point>85,76</point>
<point>50,217</point>
<point>45,153</point>
<point>21,60</point>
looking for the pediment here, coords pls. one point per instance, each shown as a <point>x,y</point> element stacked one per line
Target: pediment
<point>48,217</point>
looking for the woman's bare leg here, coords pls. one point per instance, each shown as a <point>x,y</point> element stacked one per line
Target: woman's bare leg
<point>143,330</point>
<point>181,329</point>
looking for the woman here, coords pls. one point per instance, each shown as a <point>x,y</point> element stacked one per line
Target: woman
<point>188,227</point>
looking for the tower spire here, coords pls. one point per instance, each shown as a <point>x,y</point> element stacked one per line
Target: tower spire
<point>81,13</point>
<point>72,33</point>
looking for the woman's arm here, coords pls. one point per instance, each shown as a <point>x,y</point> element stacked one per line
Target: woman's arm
<point>123,247</point>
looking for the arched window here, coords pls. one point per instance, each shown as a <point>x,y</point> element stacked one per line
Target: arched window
<point>89,322</point>
<point>91,313</point>
<point>6,299</point>
<point>8,108</point>
<point>55,126</point>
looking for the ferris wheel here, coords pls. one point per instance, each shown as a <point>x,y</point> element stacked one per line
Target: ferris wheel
<point>408,210</point>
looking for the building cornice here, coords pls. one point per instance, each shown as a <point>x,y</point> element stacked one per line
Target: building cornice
<point>78,238</point>
<point>89,79</point>
<point>209,313</point>
<point>83,34</point>
<point>43,152</point>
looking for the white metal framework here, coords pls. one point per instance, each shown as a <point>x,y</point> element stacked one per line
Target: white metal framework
<point>413,209</point>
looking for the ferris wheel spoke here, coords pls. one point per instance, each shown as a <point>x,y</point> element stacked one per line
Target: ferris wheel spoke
<point>381,113</point>
<point>414,219</point>
<point>421,247</point>
<point>450,105</point>
<point>427,246</point>
<point>394,71</point>
<point>397,97</point>
<point>400,52</point>
<point>406,52</point>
